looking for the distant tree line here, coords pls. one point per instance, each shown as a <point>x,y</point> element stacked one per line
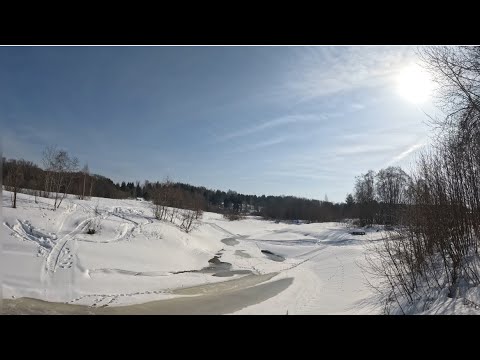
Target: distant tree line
<point>294,208</point>
<point>377,198</point>
<point>61,175</point>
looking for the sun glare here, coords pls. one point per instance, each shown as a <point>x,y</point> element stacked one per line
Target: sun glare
<point>414,84</point>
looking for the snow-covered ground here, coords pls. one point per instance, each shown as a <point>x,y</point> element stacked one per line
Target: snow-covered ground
<point>134,258</point>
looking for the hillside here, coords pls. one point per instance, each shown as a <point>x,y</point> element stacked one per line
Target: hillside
<point>133,258</point>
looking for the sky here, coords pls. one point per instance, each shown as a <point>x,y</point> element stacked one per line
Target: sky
<point>273,120</point>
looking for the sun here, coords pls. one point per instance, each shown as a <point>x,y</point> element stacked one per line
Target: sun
<point>414,84</point>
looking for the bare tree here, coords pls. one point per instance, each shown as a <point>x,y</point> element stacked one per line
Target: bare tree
<point>163,197</point>
<point>438,248</point>
<point>390,190</point>
<point>365,196</point>
<point>14,179</point>
<point>187,220</point>
<point>85,173</point>
<point>198,204</point>
<point>60,167</point>
<point>456,72</point>
<point>92,181</point>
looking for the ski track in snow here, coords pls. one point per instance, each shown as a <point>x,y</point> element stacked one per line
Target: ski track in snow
<point>25,231</point>
<point>57,253</point>
<point>219,228</point>
<point>61,255</point>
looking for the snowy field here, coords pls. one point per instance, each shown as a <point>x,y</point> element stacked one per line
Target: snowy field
<point>251,266</point>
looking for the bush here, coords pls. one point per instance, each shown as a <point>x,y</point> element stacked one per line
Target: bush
<point>187,220</point>
<point>233,216</point>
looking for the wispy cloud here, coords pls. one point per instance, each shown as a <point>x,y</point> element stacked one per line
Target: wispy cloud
<point>284,120</point>
<point>304,175</point>
<point>357,106</point>
<point>385,133</point>
<point>362,149</point>
<point>261,144</point>
<point>321,71</point>
<point>407,152</point>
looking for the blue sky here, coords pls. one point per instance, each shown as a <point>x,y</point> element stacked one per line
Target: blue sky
<point>298,121</point>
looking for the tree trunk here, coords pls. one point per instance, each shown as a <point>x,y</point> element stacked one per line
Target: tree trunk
<point>91,186</point>
<point>14,197</point>
<point>83,193</point>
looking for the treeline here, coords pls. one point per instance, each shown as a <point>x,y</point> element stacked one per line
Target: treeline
<point>377,198</point>
<point>60,175</point>
<point>380,198</point>
<point>231,202</point>
<point>291,208</point>
<point>23,174</point>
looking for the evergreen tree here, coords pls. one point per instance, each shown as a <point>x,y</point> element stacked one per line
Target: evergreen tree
<point>349,200</point>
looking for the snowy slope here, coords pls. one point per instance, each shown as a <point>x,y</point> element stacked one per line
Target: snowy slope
<point>134,258</point>
<point>48,254</point>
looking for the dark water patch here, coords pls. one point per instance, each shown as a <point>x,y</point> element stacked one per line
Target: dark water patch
<point>214,260</point>
<point>242,253</point>
<point>230,241</point>
<point>273,256</point>
<point>215,266</point>
<point>231,273</point>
